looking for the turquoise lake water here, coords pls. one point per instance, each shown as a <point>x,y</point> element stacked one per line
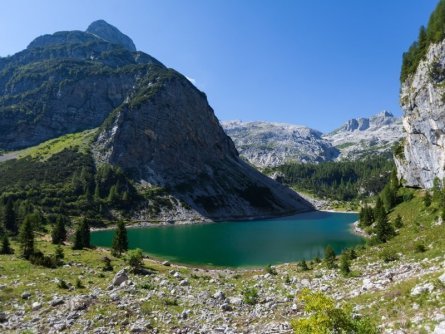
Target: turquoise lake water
<point>253,243</point>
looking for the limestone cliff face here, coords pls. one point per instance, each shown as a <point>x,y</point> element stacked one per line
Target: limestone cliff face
<point>422,157</point>
<point>168,136</point>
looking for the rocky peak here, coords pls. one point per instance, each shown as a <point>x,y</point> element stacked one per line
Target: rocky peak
<point>111,34</point>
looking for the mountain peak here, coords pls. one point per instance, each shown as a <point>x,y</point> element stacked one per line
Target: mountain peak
<point>110,33</point>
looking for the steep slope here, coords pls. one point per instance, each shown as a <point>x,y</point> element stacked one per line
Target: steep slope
<point>63,83</point>
<point>266,144</point>
<point>159,150</point>
<point>361,137</point>
<point>168,136</point>
<point>422,156</point>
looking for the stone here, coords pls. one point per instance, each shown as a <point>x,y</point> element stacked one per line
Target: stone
<point>422,288</point>
<point>26,295</point>
<point>3,317</point>
<point>79,303</point>
<point>120,277</point>
<point>440,328</point>
<point>185,314</point>
<point>226,307</point>
<point>219,295</point>
<point>184,282</point>
<point>56,302</point>
<point>442,278</point>
<point>235,300</point>
<point>36,306</point>
<point>166,263</point>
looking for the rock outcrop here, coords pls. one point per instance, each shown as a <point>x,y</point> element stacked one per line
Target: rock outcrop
<point>111,34</point>
<point>363,137</point>
<point>422,157</point>
<point>265,144</point>
<point>167,135</point>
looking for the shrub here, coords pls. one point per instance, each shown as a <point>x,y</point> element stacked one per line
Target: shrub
<point>61,284</point>
<point>134,259</point>
<point>329,257</point>
<point>250,296</point>
<point>303,265</point>
<point>420,248</point>
<point>270,270</point>
<point>107,264</point>
<point>324,317</point>
<point>388,256</point>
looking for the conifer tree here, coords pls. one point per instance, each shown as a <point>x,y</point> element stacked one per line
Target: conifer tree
<point>303,265</point>
<point>9,217</point>
<point>77,242</point>
<point>58,234</point>
<point>379,209</point>
<point>344,265</point>
<point>329,257</point>
<point>6,246</point>
<point>383,229</point>
<point>26,237</point>
<point>398,222</point>
<point>427,199</point>
<point>120,240</point>
<point>85,233</point>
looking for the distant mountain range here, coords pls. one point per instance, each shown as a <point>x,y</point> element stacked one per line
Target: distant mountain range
<point>266,144</point>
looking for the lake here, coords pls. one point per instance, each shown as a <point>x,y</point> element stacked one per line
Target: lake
<point>253,243</point>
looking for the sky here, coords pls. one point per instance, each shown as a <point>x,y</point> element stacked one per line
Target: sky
<point>311,62</point>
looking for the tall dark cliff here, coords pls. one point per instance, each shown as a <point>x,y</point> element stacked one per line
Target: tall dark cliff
<point>153,123</point>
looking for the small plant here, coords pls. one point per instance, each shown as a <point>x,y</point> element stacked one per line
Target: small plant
<point>398,222</point>
<point>388,256</point>
<point>61,284</point>
<point>344,264</point>
<point>420,248</point>
<point>147,286</point>
<point>107,264</point>
<point>287,280</point>
<point>79,284</point>
<point>134,259</point>
<point>250,296</point>
<point>427,200</point>
<point>170,302</point>
<point>59,254</point>
<point>303,265</point>
<point>270,270</point>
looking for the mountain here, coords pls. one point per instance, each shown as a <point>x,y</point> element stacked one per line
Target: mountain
<point>127,136</point>
<point>362,137</point>
<point>266,144</point>
<point>420,159</point>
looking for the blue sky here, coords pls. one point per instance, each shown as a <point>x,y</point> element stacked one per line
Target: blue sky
<point>312,62</point>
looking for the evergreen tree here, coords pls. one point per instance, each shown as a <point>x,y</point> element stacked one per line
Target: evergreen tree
<point>77,242</point>
<point>394,180</point>
<point>379,209</point>
<point>59,254</point>
<point>344,265</point>
<point>303,265</point>
<point>9,217</point>
<point>113,195</point>
<point>120,240</point>
<point>366,216</point>
<point>6,246</point>
<point>329,257</point>
<point>26,237</point>
<point>107,264</point>
<point>398,222</point>
<point>427,199</point>
<point>85,233</point>
<point>383,229</point>
<point>389,197</point>
<point>58,234</point>
<point>437,191</point>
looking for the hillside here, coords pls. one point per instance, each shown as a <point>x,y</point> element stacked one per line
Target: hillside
<point>128,137</point>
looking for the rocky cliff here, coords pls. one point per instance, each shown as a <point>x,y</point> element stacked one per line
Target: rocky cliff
<point>361,137</point>
<point>266,144</point>
<point>421,158</point>
<point>168,136</point>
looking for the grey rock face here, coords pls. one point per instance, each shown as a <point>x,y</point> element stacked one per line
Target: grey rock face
<point>266,144</point>
<point>111,34</point>
<point>168,136</point>
<point>361,137</point>
<point>63,83</point>
<point>120,277</point>
<point>422,98</point>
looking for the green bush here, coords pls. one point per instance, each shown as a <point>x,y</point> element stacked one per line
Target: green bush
<point>250,295</point>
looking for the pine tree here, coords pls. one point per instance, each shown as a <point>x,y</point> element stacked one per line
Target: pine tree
<point>26,237</point>
<point>383,229</point>
<point>427,199</point>
<point>437,191</point>
<point>9,217</point>
<point>329,257</point>
<point>303,265</point>
<point>344,265</point>
<point>58,234</point>
<point>6,246</point>
<point>85,233</point>
<point>379,209</point>
<point>120,240</point>
<point>113,195</point>
<point>77,242</point>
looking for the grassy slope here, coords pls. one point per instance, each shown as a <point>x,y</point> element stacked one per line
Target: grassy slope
<point>393,306</point>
